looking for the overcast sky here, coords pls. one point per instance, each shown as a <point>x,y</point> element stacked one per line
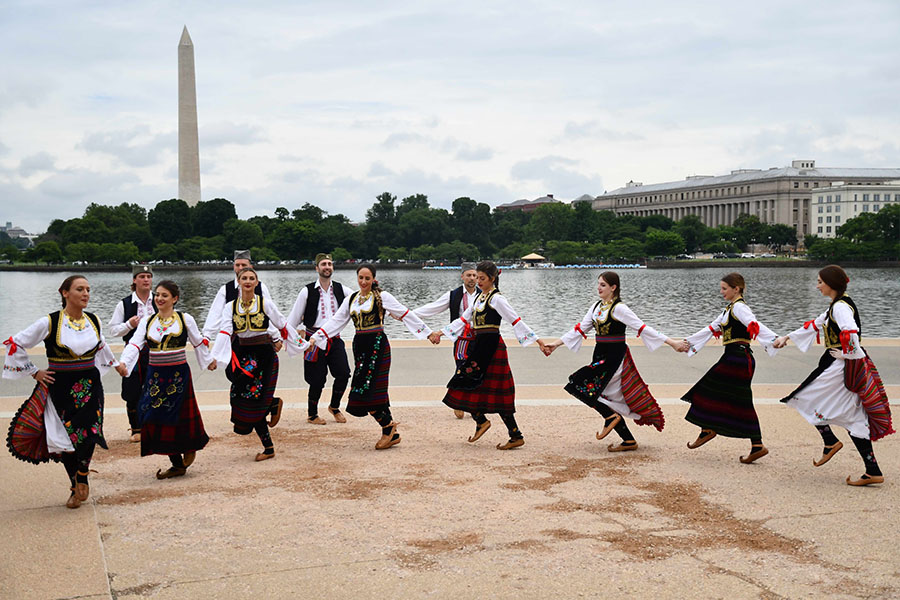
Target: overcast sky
<point>334,102</point>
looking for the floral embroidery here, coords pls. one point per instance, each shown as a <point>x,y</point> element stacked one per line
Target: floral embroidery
<point>258,319</point>
<point>364,370</point>
<point>81,392</point>
<point>29,367</point>
<point>164,391</point>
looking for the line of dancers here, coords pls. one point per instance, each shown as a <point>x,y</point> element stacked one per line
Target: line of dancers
<point>62,420</point>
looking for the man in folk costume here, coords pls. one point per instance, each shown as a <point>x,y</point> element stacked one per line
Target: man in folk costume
<point>126,316</point>
<point>315,305</point>
<point>457,301</point>
<point>229,292</point>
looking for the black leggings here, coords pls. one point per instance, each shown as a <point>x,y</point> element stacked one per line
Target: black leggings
<point>262,430</point>
<point>606,411</point>
<point>80,460</point>
<point>863,446</point>
<point>509,419</point>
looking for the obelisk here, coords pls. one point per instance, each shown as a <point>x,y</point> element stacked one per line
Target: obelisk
<point>188,143</point>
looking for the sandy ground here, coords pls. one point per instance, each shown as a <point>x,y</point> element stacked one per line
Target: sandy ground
<point>437,517</point>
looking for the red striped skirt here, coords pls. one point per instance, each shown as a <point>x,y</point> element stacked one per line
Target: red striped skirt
<point>497,391</point>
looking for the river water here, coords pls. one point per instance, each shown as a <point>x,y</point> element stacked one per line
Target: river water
<point>678,302</point>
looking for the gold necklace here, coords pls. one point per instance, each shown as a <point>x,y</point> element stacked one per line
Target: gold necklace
<point>166,322</point>
<point>77,324</point>
<point>246,304</point>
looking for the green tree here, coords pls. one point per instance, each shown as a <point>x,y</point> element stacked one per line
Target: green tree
<point>666,243</point>
<point>411,203</point>
<point>660,222</point>
<point>237,235</point>
<point>888,221</point>
<point>308,212</point>
<point>85,251</point>
<point>170,220</point>
<point>551,222</point>
<point>471,223</point>
<point>751,231</point>
<point>780,235</point>
<point>692,231</point>
<point>10,252</point>
<point>423,253</point>
<point>863,228</point>
<point>198,249</point>
<point>389,254</point>
<point>209,218</point>
<point>340,255</point>
<point>628,250</point>
<point>422,225</point>
<point>47,252</point>
<point>165,252</point>
<point>281,214</point>
<point>515,250</point>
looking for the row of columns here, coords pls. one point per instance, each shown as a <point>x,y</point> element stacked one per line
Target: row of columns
<point>712,215</point>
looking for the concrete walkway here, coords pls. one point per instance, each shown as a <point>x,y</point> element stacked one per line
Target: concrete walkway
<point>437,517</point>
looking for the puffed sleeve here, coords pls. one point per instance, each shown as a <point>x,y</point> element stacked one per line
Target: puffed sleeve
<point>104,360</point>
<point>221,351</point>
<point>295,317</point>
<point>579,332</point>
<point>332,326</point>
<point>850,347</point>
<point>434,308</point>
<point>652,338</point>
<point>409,318</point>
<point>804,336</point>
<point>455,328</point>
<point>292,341</point>
<point>18,364</point>
<point>133,348</point>
<point>213,323</point>
<point>198,341</point>
<point>523,332</point>
<point>117,325</point>
<point>700,339</point>
<point>764,336</point>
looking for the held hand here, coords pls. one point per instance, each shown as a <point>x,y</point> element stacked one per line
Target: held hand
<point>396,318</point>
<point>780,342</point>
<point>122,370</point>
<point>212,366</point>
<point>836,354</point>
<point>684,346</point>
<point>278,346</point>
<point>133,321</point>
<point>435,337</point>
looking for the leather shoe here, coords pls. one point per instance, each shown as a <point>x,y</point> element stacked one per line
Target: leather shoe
<point>170,472</point>
<point>189,459</point>
<point>866,480</point>
<point>459,414</point>
<point>705,436</point>
<point>276,415</point>
<point>623,447</point>
<point>479,430</point>
<point>754,454</point>
<point>73,501</point>
<point>317,420</point>
<point>511,444</point>
<point>263,456</point>
<point>610,424</point>
<point>826,456</point>
<point>337,414</point>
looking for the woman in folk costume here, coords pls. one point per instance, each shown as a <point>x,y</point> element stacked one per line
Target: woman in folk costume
<point>170,419</point>
<point>722,401</point>
<point>371,349</point>
<point>611,384</point>
<point>252,363</point>
<point>483,383</point>
<point>845,388</point>
<point>63,418</point>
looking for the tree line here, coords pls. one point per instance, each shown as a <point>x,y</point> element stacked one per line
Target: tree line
<point>413,230</point>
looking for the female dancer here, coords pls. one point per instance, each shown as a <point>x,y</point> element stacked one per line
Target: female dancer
<point>845,389</point>
<point>484,382</point>
<point>170,419</point>
<point>722,401</point>
<point>371,349</point>
<point>611,384</point>
<point>252,364</point>
<point>66,407</point>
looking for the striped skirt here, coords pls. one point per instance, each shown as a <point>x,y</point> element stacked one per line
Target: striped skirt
<point>493,390</point>
<point>722,400</point>
<point>170,418</point>
<point>252,395</point>
<point>372,368</point>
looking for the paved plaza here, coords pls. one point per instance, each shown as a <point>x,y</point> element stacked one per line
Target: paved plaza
<point>437,517</point>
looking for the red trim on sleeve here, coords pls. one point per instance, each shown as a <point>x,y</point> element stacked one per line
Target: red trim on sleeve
<point>12,346</point>
<point>516,321</point>
<point>578,329</point>
<point>845,339</point>
<point>753,330</point>
<point>284,333</point>
<point>640,330</point>
<point>135,345</point>
<point>813,323</point>
<point>404,314</point>
<point>716,333</point>
<point>226,333</point>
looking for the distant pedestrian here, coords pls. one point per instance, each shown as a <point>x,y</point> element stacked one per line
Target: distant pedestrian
<point>722,401</point>
<point>457,301</point>
<point>845,389</point>
<point>611,384</point>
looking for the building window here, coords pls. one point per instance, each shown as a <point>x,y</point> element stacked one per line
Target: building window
<point>820,199</point>
<point>828,229</point>
<point>820,230</point>
<point>796,184</point>
<point>828,209</point>
<point>865,206</point>
<point>828,219</point>
<point>820,208</point>
<point>855,197</point>
<point>865,198</point>
<point>876,198</point>
<point>806,184</point>
<point>820,219</point>
<point>837,219</point>
<point>815,184</point>
<point>828,198</point>
<point>837,198</point>
<point>837,208</point>
<point>875,208</point>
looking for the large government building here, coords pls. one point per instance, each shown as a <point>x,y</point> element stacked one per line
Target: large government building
<point>797,196</point>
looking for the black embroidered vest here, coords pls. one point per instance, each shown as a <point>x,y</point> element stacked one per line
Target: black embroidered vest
<point>733,331</point>
<point>833,330</point>
<point>486,317</point>
<point>53,344</point>
<point>609,325</point>
<point>169,341</point>
<point>312,302</point>
<point>371,319</point>
<point>130,311</point>
<point>455,298</point>
<point>257,321</point>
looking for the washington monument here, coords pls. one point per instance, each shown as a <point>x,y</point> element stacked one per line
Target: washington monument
<point>188,144</point>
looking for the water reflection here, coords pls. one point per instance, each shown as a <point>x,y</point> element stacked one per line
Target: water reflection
<point>676,301</point>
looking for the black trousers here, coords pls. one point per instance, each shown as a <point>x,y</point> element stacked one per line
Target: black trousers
<point>315,373</point>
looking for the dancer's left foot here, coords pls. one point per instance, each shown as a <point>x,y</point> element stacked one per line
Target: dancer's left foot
<point>277,406</point>
<point>512,443</point>
<point>266,454</point>
<point>755,452</point>
<point>623,447</point>
<point>866,479</point>
<point>827,453</point>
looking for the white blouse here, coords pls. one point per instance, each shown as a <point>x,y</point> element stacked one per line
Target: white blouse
<point>843,316</point>
<point>221,351</point>
<point>156,333</point>
<point>391,305</point>
<point>498,302</point>
<point>652,339</point>
<point>742,313</point>
<point>78,340</point>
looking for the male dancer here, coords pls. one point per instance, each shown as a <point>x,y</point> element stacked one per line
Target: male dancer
<point>457,300</point>
<point>227,293</point>
<point>316,303</point>
<point>126,316</point>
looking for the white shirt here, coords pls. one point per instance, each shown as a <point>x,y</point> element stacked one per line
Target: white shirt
<point>620,312</point>
<point>498,302</point>
<point>213,324</point>
<point>156,333</point>
<point>328,305</point>
<point>742,313</point>
<point>118,325</point>
<point>221,351</point>
<point>443,303</point>
<point>364,305</point>
<point>843,316</point>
